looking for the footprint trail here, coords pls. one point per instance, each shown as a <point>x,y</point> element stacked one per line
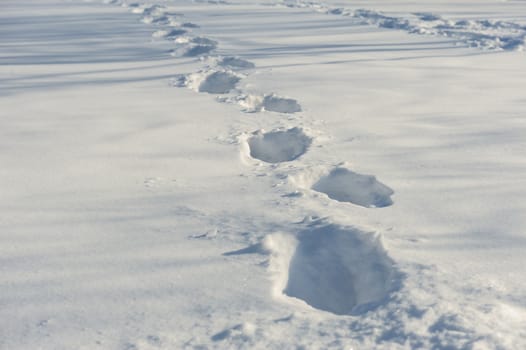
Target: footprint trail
<point>337,269</point>
<point>480,33</point>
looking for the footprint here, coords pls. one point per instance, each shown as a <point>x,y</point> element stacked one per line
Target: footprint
<point>215,2</point>
<point>337,11</point>
<point>112,2</point>
<point>201,40</point>
<point>219,83</point>
<point>169,20</point>
<point>213,82</point>
<point>332,268</point>
<point>427,17</point>
<point>235,63</point>
<point>278,104</point>
<point>193,46</point>
<point>279,146</point>
<point>344,185</point>
<point>154,10</point>
<point>151,13</point>
<point>174,33</point>
<point>189,25</point>
<point>163,20</point>
<point>169,34</point>
<point>198,50</point>
<point>271,103</point>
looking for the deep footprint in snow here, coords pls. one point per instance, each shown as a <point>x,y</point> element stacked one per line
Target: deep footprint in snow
<point>174,33</point>
<point>201,40</point>
<point>278,104</point>
<point>167,19</point>
<point>235,63</point>
<point>344,185</point>
<point>198,50</point>
<point>427,17</point>
<point>219,83</point>
<point>193,47</point>
<point>189,25</point>
<point>279,146</point>
<point>212,82</point>
<point>169,34</point>
<point>154,10</point>
<point>270,103</point>
<point>339,269</point>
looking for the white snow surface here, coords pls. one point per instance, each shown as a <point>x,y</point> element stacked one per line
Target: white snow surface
<point>262,174</point>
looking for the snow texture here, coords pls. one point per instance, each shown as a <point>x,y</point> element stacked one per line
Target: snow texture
<point>140,216</point>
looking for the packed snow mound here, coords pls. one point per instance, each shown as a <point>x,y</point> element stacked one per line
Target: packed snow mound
<point>344,185</point>
<point>333,268</point>
<point>219,83</point>
<point>279,146</point>
<point>235,63</point>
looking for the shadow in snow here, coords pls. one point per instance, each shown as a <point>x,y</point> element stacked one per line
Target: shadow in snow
<point>86,37</point>
<point>340,269</point>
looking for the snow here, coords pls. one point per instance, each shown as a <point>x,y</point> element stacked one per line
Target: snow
<point>262,174</point>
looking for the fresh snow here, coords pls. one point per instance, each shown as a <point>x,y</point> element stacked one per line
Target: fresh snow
<point>262,174</point>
